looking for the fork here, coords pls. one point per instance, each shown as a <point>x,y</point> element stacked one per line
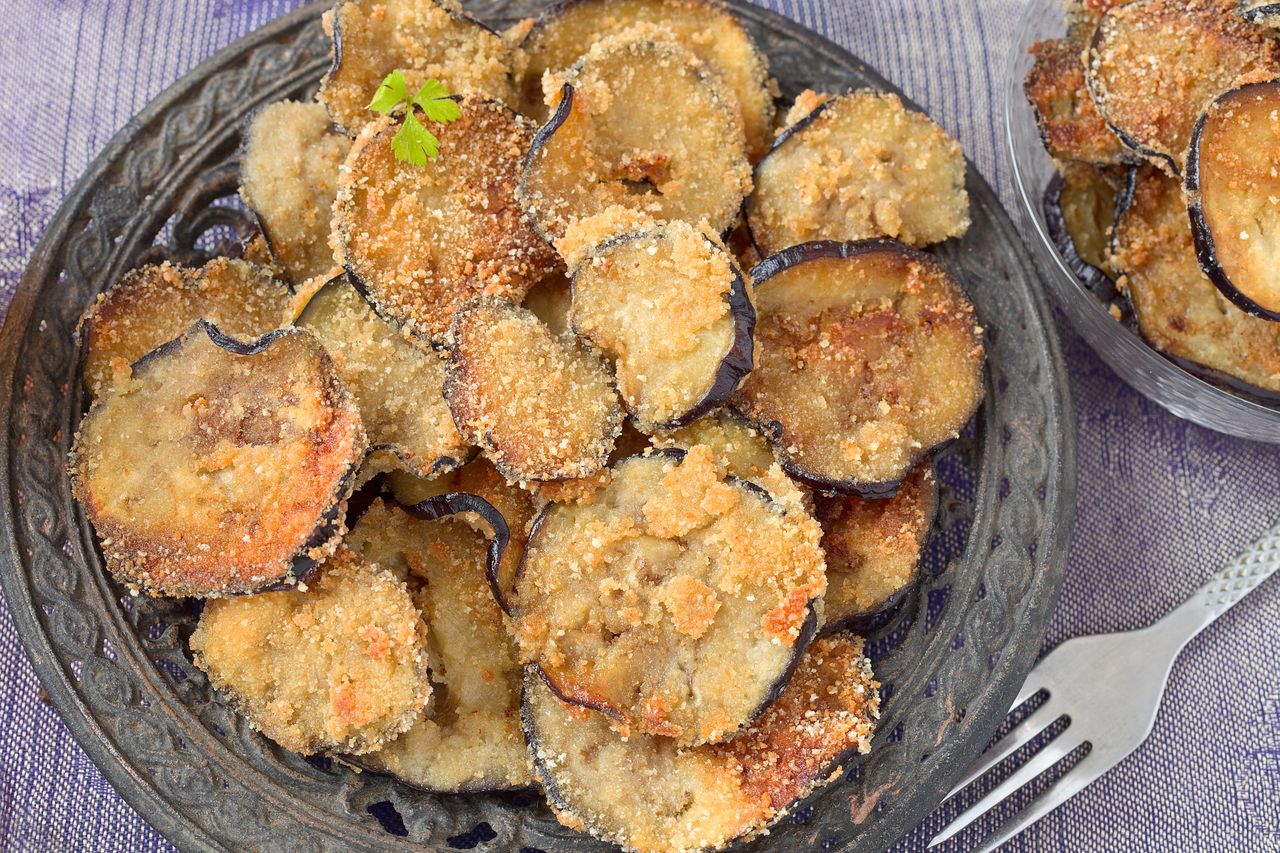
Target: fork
<point>1109,687</point>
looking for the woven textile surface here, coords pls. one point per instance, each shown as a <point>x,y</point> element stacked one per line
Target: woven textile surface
<point>1161,504</point>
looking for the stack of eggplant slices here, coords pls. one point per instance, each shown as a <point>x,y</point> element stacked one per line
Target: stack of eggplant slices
<point>1163,117</point>
<point>567,415</point>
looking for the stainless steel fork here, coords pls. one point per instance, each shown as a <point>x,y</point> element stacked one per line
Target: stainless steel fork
<point>1109,687</point>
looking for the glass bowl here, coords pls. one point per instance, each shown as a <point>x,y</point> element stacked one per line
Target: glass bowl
<point>1133,360</point>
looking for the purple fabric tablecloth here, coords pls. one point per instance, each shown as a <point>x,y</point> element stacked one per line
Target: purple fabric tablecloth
<point>1162,504</point>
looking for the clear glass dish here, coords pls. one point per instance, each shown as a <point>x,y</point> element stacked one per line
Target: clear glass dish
<point>1136,362</point>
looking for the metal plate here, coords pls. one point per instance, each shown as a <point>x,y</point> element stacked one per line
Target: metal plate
<point>117,667</point>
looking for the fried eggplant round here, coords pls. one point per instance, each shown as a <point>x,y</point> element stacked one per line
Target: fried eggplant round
<point>155,304</point>
<point>398,386</point>
<point>540,407</point>
<point>418,241</point>
<point>1178,310</point>
<point>288,177</point>
<point>425,39</point>
<point>873,550</point>
<point>1233,188</point>
<point>1070,125</point>
<point>677,602</point>
<point>220,467</point>
<point>339,665</point>
<point>649,795</point>
<point>612,143</point>
<point>860,165</point>
<point>469,738</point>
<point>870,356</point>
<point>565,31</point>
<point>1152,65</point>
<point>670,307</point>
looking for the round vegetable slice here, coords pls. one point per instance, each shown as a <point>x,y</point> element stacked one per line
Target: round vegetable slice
<point>671,308</point>
<point>540,407</point>
<point>1233,188</point>
<point>611,142</point>
<point>1152,66</point>
<point>418,241</point>
<point>339,665</point>
<point>1079,211</point>
<point>398,386</point>
<point>676,602</point>
<point>469,739</point>
<point>649,795</point>
<point>873,550</point>
<point>289,177</point>
<point>155,304</point>
<point>1179,311</point>
<point>566,30</point>
<point>859,165</point>
<point>1070,124</point>
<point>220,467</point>
<point>870,356</point>
<point>1264,13</point>
<point>425,39</point>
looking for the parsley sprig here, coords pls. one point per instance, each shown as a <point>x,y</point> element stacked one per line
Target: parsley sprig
<point>413,142</point>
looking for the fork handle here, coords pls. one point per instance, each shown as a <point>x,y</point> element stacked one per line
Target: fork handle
<point>1258,562</point>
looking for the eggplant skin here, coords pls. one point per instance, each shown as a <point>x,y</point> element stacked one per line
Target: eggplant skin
<point>1207,251</point>
<point>1264,14</point>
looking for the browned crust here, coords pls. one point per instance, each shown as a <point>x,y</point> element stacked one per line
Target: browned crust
<point>540,407</point>
<point>650,796</point>
<point>1178,309</point>
<point>341,665</point>
<point>152,305</point>
<point>1070,125</point>
<point>418,241</point>
<point>1153,65</point>
<point>154,464</point>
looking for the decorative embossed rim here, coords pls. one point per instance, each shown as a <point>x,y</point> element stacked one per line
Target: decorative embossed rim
<point>150,745</point>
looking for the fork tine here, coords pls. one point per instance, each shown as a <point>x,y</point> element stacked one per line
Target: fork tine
<point>1033,724</point>
<point>1079,777</point>
<point>1046,758</point>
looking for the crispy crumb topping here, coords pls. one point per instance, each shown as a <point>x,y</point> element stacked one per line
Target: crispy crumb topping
<point>650,795</point>
<point>1070,124</point>
<point>421,240</point>
<point>676,600</point>
<point>340,665</point>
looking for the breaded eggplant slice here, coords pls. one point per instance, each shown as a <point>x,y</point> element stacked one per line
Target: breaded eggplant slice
<point>567,30</point>
<point>860,165</point>
<point>870,356</point>
<point>649,795</point>
<point>418,241</point>
<point>670,307</point>
<point>154,304</point>
<point>220,467</point>
<point>340,665</point>
<point>677,602</point>
<point>1233,188</point>
<point>873,550</point>
<point>611,142</point>
<point>425,39</point>
<point>288,178</point>
<point>1178,309</point>
<point>398,386</point>
<point>1264,13</point>
<point>1153,65</point>
<point>469,739</point>
<point>1079,212</point>
<point>541,407</point>
<point>1070,125</point>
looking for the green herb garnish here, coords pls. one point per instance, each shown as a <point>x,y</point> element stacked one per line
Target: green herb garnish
<point>413,142</point>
